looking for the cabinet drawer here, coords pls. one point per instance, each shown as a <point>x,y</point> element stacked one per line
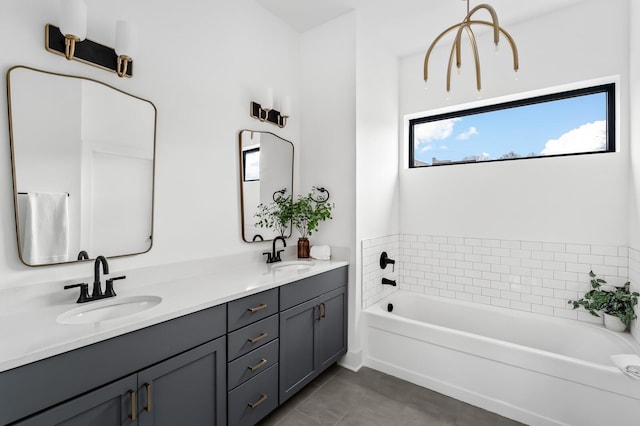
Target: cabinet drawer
<point>252,364</point>
<point>251,401</point>
<point>252,308</point>
<point>252,337</point>
<point>300,291</point>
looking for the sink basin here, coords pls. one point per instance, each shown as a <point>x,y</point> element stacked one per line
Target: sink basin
<point>117,307</point>
<point>299,266</point>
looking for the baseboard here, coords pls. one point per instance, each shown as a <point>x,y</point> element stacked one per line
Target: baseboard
<point>352,360</point>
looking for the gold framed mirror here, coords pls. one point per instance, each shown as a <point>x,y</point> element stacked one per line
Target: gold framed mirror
<point>83,165</point>
<point>266,168</point>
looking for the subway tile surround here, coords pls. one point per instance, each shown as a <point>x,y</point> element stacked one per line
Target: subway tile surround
<point>531,276</point>
<point>372,274</point>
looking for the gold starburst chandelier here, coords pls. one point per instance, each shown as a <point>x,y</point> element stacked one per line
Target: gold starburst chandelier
<point>465,26</point>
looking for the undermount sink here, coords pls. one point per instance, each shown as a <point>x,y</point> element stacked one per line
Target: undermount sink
<point>108,310</point>
<point>300,266</point>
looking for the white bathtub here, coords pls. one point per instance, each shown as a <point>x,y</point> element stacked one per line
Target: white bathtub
<point>535,369</point>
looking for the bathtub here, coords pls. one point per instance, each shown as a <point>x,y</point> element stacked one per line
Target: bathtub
<point>532,368</point>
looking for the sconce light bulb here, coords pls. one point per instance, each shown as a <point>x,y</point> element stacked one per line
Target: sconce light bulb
<point>267,103</point>
<point>73,19</point>
<point>285,109</point>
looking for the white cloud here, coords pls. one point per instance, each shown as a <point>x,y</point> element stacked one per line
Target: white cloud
<point>466,135</point>
<point>586,138</point>
<point>443,147</point>
<point>426,148</point>
<point>485,156</point>
<point>436,130</point>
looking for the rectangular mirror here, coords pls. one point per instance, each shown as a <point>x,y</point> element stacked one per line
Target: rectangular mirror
<point>266,167</point>
<point>83,158</point>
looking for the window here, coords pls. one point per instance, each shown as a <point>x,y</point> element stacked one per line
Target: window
<point>251,164</point>
<point>575,122</point>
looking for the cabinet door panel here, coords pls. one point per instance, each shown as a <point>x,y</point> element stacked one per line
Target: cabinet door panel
<point>189,389</point>
<point>106,406</point>
<point>332,331</point>
<point>297,348</point>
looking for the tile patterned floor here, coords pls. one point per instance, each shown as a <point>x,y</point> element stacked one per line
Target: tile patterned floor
<point>371,398</point>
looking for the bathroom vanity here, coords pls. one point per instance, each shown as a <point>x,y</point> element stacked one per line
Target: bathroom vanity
<point>231,362</point>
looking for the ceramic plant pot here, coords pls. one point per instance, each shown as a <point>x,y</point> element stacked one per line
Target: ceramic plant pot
<point>303,248</point>
<point>614,323</point>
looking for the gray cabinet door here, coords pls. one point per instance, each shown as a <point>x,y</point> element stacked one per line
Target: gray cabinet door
<point>188,389</point>
<point>332,328</point>
<point>298,365</point>
<point>109,405</point>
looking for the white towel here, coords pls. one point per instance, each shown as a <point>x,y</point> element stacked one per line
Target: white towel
<point>45,229</point>
<point>628,363</point>
<point>320,252</point>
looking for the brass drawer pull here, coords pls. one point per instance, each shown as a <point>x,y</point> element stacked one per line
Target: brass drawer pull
<point>258,365</point>
<point>262,399</point>
<point>257,308</point>
<point>147,407</point>
<point>134,410</point>
<point>257,339</point>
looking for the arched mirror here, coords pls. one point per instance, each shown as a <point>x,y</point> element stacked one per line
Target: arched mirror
<point>266,167</point>
<point>83,156</point>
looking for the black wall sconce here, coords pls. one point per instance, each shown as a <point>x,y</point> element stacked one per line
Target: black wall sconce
<point>69,41</point>
<point>266,113</point>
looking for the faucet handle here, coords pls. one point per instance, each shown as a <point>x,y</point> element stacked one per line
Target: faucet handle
<point>277,258</point>
<point>269,259</point>
<point>109,292</point>
<point>84,291</point>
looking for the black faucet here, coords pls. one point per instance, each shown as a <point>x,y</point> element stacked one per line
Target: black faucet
<point>274,256</point>
<point>97,285</point>
<point>83,255</point>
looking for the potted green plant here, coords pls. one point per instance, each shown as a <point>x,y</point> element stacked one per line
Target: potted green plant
<point>307,214</point>
<point>616,303</point>
<point>277,214</point>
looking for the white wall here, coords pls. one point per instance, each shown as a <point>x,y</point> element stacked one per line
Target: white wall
<point>328,136</point>
<point>377,148</point>
<point>634,187</point>
<point>567,199</point>
<point>200,64</point>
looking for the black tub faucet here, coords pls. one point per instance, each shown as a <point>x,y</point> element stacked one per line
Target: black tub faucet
<point>274,256</point>
<point>386,260</point>
<point>97,285</point>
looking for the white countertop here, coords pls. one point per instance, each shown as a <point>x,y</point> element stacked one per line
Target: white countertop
<point>29,331</point>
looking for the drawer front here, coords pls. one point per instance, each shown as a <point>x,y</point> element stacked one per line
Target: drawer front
<point>252,308</point>
<point>252,337</point>
<point>306,289</point>
<point>251,401</point>
<point>252,364</point>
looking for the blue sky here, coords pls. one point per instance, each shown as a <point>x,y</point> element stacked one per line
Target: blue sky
<point>571,125</point>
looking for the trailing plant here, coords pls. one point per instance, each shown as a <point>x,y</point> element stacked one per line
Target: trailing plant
<point>309,212</point>
<point>616,301</point>
<point>277,214</point>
